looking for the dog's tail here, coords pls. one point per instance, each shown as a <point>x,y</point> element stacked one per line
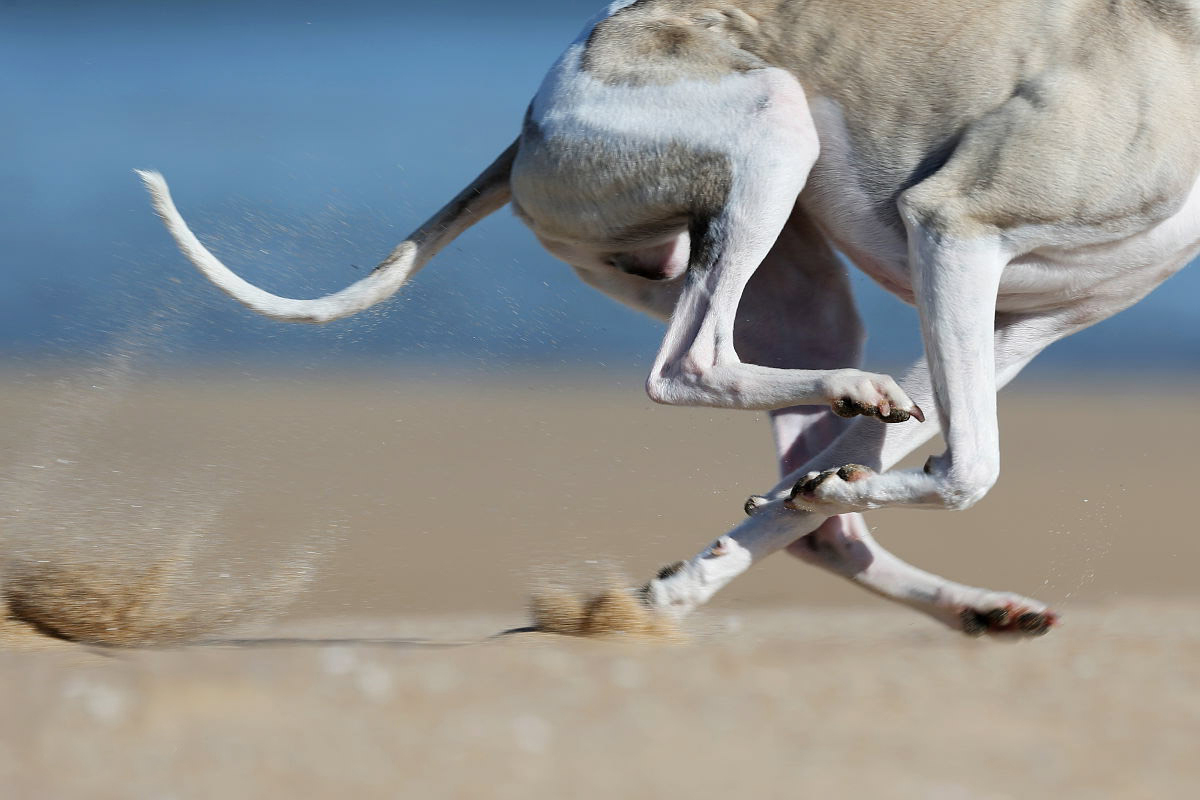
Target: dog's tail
<point>487,193</point>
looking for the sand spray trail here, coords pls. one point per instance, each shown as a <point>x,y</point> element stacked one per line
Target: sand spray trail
<point>97,548</point>
<point>614,611</point>
<point>602,604</point>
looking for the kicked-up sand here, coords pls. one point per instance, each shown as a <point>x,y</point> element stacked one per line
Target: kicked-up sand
<point>322,563</point>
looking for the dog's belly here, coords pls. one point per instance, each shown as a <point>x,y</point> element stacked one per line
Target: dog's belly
<point>888,268</point>
<point>846,212</point>
<point>1097,277</point>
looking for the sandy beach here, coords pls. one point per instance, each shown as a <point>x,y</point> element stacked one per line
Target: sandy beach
<point>403,523</point>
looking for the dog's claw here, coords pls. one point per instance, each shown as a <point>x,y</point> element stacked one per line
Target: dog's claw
<point>808,484</point>
<point>1035,624</point>
<point>754,503</point>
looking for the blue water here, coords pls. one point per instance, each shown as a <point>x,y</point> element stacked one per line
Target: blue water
<point>303,140</point>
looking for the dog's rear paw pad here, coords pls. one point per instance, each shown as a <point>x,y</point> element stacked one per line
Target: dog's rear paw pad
<point>853,393</point>
<point>810,484</point>
<point>849,407</point>
<point>854,472</point>
<point>1036,623</point>
<point>1006,620</point>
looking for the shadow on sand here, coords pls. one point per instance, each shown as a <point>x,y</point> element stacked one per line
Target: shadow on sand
<point>356,641</point>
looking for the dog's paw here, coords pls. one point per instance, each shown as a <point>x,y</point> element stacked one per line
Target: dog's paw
<point>853,393</point>
<point>828,491</point>
<point>1005,615</point>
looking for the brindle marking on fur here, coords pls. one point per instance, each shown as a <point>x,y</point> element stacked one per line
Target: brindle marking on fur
<point>1031,92</point>
<point>1176,16</point>
<point>659,41</point>
<point>707,234</point>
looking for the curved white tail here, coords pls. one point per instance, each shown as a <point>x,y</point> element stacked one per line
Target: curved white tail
<point>487,193</point>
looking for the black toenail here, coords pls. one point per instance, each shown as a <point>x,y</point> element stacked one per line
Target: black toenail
<point>973,624</point>
<point>998,617</point>
<point>1033,624</point>
<point>753,503</point>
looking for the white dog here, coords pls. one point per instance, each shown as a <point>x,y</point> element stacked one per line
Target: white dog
<point>1017,171</point>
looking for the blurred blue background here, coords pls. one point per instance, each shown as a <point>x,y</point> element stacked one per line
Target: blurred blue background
<point>302,142</point>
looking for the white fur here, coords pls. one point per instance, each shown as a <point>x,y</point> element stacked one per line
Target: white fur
<point>377,286</point>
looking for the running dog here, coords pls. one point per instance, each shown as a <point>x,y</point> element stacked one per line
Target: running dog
<point>1017,171</point>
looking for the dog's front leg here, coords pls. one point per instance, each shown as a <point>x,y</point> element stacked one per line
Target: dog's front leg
<point>956,281</point>
<point>682,587</point>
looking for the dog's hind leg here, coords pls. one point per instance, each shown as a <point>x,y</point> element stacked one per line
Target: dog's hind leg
<point>844,546</point>
<point>700,362</point>
<point>956,281</point>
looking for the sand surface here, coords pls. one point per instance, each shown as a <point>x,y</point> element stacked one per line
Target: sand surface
<point>406,522</point>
